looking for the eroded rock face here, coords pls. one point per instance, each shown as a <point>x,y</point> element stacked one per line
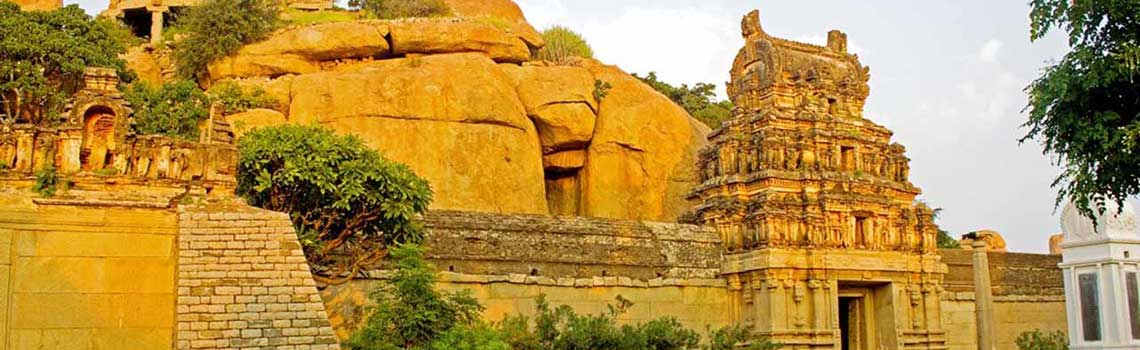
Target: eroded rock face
<point>459,102</point>
<point>504,10</point>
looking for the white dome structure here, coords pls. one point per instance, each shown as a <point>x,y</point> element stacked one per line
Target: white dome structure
<point>1113,223</point>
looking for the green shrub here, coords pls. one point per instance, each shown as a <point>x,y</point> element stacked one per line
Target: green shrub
<point>601,90</point>
<point>174,109</point>
<point>47,182</point>
<point>342,195</point>
<point>232,98</point>
<point>700,100</point>
<point>563,44</point>
<point>392,9</point>
<point>410,314</point>
<point>479,336</point>
<point>218,28</point>
<point>1038,340</point>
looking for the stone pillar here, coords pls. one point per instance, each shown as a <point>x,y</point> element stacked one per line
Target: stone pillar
<point>70,143</point>
<point>983,300</point>
<point>25,144</point>
<point>156,18</point>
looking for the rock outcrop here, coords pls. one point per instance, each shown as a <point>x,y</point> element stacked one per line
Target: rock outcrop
<point>39,5</point>
<point>460,102</point>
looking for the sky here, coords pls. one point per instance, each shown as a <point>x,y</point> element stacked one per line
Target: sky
<point>946,76</point>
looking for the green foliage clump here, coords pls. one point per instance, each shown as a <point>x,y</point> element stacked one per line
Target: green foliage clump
<point>563,45</point>
<point>730,338</point>
<point>174,109</point>
<point>218,28</point>
<point>601,90</point>
<point>1085,109</point>
<point>47,182</point>
<point>410,314</point>
<point>1038,340</point>
<point>342,196</point>
<point>700,100</point>
<point>945,240</point>
<point>232,98</point>
<point>393,9</point>
<point>303,17</point>
<point>43,55</point>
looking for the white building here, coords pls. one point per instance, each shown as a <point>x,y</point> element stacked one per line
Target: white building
<point>1099,262</point>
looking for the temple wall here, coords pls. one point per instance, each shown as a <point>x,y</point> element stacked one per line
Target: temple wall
<point>85,277</point>
<point>1028,295</point>
<point>507,261</point>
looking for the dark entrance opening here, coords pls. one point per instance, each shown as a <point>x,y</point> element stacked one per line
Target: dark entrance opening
<point>845,322</point>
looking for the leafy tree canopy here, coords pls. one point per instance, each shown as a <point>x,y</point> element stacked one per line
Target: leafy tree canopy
<point>347,201</point>
<point>700,100</point>
<point>174,109</point>
<point>218,28</point>
<point>43,55</point>
<point>1085,109</point>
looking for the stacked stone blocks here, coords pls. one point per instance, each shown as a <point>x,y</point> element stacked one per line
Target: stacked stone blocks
<point>244,283</point>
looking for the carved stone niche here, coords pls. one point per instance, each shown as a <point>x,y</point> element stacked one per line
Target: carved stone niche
<point>102,115</point>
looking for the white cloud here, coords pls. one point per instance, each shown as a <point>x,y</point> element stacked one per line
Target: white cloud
<point>543,13</point>
<point>989,51</point>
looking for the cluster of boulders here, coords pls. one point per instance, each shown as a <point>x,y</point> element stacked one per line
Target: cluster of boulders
<point>460,101</point>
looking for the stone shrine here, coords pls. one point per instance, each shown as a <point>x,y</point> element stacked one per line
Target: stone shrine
<point>826,247</point>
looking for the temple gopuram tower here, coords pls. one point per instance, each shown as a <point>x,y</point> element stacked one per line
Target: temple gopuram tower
<point>826,247</point>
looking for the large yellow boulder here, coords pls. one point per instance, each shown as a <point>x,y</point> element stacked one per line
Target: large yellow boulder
<point>326,41</point>
<point>242,66</point>
<point>560,101</point>
<point>245,122</point>
<point>450,35</point>
<point>142,60</point>
<point>503,10</point>
<point>454,119</point>
<point>641,161</point>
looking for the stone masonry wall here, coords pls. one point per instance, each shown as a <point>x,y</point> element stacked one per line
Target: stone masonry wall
<point>1028,295</point>
<point>507,261</point>
<point>243,283</point>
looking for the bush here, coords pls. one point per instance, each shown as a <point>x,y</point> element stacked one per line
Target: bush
<point>392,9</point>
<point>232,98</point>
<point>410,314</point>
<point>1038,340</point>
<point>342,196</point>
<point>700,100</point>
<point>563,44</point>
<point>47,182</point>
<point>174,109</point>
<point>218,28</point>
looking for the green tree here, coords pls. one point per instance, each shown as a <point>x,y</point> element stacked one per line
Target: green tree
<point>1038,340</point>
<point>945,240</point>
<point>218,28</point>
<point>563,45</point>
<point>174,109</point>
<point>699,100</point>
<point>43,55</point>
<point>410,314</point>
<point>1085,109</point>
<point>348,203</point>
<point>393,9</point>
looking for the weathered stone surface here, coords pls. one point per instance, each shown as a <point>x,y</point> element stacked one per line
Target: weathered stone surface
<point>454,119</point>
<point>245,121</point>
<point>564,160</point>
<point>451,35</point>
<point>241,66</point>
<point>145,63</point>
<point>560,101</point>
<point>326,41</point>
<point>39,5</point>
<point>505,10</point>
<point>640,161</point>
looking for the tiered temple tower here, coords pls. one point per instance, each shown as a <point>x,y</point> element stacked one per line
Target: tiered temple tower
<point>826,246</point>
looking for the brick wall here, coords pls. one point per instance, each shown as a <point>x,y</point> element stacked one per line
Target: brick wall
<point>243,282</point>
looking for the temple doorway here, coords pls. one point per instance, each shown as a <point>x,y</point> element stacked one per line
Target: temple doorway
<point>856,319</point>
